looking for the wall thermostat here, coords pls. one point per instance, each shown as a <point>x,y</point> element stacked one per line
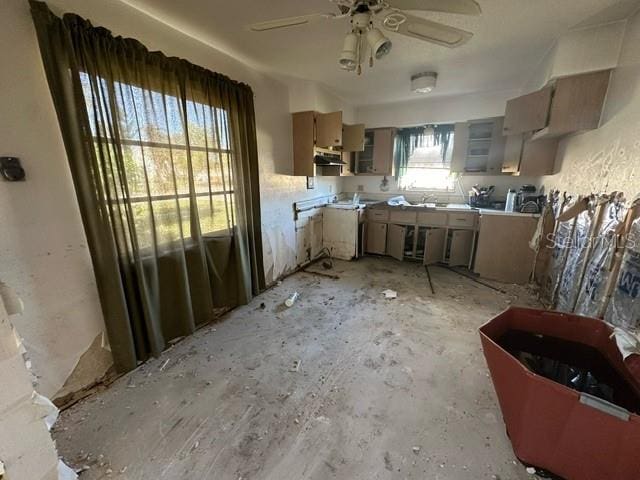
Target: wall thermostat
<point>11,170</point>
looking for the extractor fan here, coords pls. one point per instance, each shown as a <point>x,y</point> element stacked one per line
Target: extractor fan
<point>366,16</point>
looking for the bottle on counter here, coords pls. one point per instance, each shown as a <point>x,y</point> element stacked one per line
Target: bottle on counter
<point>511,201</point>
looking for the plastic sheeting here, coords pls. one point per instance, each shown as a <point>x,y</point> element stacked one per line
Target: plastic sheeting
<point>624,306</point>
<point>598,269</point>
<point>576,252</point>
<point>561,240</point>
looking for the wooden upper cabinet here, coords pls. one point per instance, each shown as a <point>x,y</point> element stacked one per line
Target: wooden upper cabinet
<point>522,156</point>
<point>329,129</point>
<point>577,103</point>
<point>383,151</point>
<point>478,146</point>
<point>512,154</point>
<point>303,143</point>
<point>496,151</point>
<point>567,105</point>
<point>527,113</point>
<point>353,138</point>
<point>460,145</point>
<point>538,157</point>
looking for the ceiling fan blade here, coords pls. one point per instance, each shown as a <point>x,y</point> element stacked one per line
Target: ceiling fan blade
<point>431,31</point>
<point>463,7</point>
<point>289,22</point>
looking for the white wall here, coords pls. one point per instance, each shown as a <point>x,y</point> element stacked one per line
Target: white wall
<point>581,50</point>
<point>43,252</point>
<point>427,109</point>
<point>608,158</point>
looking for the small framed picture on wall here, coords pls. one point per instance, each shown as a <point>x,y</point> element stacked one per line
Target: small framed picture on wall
<point>311,183</point>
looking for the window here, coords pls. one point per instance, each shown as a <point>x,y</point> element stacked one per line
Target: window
<point>170,189</point>
<point>429,160</point>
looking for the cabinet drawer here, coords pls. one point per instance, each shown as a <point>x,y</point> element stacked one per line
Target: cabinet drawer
<point>462,220</point>
<point>436,219</point>
<point>400,216</point>
<point>378,215</point>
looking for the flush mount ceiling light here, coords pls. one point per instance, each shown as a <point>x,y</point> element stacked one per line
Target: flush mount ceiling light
<point>366,40</point>
<point>423,82</point>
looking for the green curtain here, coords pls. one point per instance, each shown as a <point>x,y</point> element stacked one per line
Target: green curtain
<point>408,139</point>
<point>164,161</point>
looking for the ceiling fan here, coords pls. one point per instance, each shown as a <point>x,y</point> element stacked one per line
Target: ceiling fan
<point>367,15</point>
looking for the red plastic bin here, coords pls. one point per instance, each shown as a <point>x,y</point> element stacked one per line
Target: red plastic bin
<point>561,430</point>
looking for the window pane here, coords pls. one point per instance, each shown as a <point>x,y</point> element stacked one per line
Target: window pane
<point>213,213</point>
<point>153,186</point>
<point>428,167</point>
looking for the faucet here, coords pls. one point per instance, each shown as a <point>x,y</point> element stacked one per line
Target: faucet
<point>429,196</point>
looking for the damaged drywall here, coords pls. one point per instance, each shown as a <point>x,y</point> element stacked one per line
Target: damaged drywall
<point>26,448</point>
<point>43,249</point>
<point>92,367</point>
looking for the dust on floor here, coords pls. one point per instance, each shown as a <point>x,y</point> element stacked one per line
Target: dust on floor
<point>345,384</point>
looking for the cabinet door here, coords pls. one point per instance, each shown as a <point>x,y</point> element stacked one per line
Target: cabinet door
<point>498,144</point>
<point>577,102</point>
<point>383,151</point>
<point>538,157</point>
<point>329,129</point>
<point>461,244</point>
<point>353,138</point>
<point>434,247</point>
<point>460,144</point>
<point>395,241</point>
<point>348,169</point>
<point>527,113</point>
<point>303,144</point>
<point>376,238</point>
<point>512,154</point>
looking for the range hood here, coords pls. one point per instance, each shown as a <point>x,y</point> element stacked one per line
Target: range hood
<point>323,157</point>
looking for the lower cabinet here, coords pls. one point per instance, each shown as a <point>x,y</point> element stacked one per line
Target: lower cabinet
<point>435,239</point>
<point>376,238</point>
<point>426,244</point>
<point>396,240</point>
<point>460,247</point>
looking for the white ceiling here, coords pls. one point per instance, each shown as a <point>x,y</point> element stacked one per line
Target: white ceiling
<point>511,38</point>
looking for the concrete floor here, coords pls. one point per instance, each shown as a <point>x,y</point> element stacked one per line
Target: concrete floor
<point>386,389</point>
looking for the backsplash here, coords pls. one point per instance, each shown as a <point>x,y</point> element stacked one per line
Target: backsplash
<point>371,188</point>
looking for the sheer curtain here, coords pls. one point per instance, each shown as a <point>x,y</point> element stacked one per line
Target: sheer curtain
<point>164,161</point>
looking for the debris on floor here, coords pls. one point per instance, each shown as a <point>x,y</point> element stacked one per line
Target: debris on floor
<point>296,366</point>
<point>65,472</point>
<point>291,299</point>
<point>390,294</point>
<point>228,403</point>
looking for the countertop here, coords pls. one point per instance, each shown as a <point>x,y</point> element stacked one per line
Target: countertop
<point>450,208</point>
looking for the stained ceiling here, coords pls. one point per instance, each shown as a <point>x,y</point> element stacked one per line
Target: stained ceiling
<point>510,39</point>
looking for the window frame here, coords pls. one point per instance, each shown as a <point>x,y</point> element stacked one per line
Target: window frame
<point>224,132</point>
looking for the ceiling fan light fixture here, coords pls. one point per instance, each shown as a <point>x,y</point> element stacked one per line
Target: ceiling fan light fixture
<point>349,56</point>
<point>379,44</point>
<point>423,82</point>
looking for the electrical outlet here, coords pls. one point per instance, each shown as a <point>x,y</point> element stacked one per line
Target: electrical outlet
<point>361,188</point>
